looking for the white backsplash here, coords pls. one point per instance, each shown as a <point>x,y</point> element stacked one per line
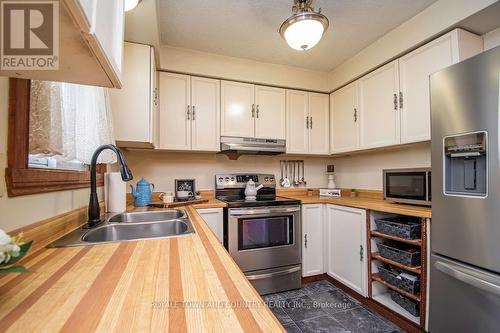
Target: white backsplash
<point>161,168</point>
<point>362,171</point>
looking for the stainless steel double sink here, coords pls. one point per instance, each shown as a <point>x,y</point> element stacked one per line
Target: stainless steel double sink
<point>131,226</point>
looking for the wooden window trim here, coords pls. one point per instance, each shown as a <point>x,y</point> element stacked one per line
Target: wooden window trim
<point>20,179</point>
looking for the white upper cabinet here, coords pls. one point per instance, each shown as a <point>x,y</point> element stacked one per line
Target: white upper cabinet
<point>189,113</point>
<point>269,113</point>
<point>237,109</point>
<point>135,106</point>
<point>312,240</point>
<point>344,116</point>
<point>319,124</point>
<point>414,71</point>
<point>252,111</point>
<point>90,45</point>
<point>107,34</point>
<point>205,104</point>
<point>307,122</point>
<point>379,114</point>
<point>297,121</point>
<point>346,239</point>
<point>175,111</point>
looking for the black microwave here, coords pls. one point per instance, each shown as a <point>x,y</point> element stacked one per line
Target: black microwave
<point>409,186</point>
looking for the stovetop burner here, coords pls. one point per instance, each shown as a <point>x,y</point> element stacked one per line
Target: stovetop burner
<point>259,202</point>
<point>230,188</point>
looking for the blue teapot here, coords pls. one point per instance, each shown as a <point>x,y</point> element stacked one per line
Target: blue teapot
<point>142,193</point>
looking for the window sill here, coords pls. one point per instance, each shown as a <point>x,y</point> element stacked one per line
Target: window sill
<point>33,181</point>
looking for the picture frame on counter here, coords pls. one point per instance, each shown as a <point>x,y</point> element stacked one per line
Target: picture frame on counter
<point>185,185</point>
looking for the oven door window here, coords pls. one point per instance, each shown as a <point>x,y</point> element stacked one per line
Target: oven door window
<point>406,185</point>
<point>264,232</point>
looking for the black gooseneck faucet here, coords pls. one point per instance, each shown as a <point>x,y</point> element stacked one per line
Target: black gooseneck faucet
<point>94,209</point>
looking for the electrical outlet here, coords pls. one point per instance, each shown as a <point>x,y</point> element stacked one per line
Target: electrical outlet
<point>3,165</point>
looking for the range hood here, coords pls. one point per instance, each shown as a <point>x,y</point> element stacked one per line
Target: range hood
<point>234,147</point>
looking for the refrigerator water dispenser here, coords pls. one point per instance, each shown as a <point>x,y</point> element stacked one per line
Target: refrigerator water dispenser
<point>465,164</point>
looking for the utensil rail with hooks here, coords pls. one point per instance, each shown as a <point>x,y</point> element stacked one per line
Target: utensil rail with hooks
<point>292,173</point>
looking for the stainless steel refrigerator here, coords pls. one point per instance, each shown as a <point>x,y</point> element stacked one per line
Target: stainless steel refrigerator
<point>465,227</point>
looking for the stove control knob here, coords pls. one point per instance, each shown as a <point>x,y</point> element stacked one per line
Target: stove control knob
<point>266,179</point>
<point>221,179</point>
<point>232,179</point>
<point>271,179</point>
<point>227,179</point>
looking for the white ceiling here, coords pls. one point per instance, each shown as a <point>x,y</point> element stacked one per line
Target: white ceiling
<point>248,28</point>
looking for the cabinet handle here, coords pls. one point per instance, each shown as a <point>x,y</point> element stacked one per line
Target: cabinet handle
<point>253,110</point>
<point>194,112</point>
<point>400,99</point>
<point>257,110</point>
<point>361,253</point>
<point>307,122</point>
<point>189,112</point>
<point>155,96</point>
<point>355,115</point>
<point>396,102</point>
<point>305,241</point>
<point>310,122</point>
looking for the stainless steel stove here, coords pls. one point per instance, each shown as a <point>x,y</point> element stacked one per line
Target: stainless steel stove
<point>263,235</point>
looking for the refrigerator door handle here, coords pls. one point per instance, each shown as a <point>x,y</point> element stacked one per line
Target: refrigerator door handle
<point>470,277</point>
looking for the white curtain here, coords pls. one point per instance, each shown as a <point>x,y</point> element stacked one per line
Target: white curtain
<point>70,121</point>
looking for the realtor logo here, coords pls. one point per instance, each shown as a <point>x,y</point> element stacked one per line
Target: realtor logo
<point>29,35</point>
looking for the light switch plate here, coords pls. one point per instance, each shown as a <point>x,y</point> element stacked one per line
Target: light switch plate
<point>3,165</point>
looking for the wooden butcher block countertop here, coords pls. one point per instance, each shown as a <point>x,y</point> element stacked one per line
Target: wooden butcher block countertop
<point>187,283</point>
<point>364,203</point>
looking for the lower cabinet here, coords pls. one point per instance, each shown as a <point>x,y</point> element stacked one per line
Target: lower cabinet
<point>214,217</point>
<point>345,230</point>
<point>312,239</point>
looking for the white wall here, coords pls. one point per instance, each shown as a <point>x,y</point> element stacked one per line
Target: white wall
<point>161,168</point>
<point>491,39</point>
<point>364,171</point>
<point>435,19</point>
<point>208,64</point>
<point>21,211</point>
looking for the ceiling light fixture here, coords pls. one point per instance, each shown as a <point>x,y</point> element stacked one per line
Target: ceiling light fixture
<point>304,29</point>
<point>131,4</point>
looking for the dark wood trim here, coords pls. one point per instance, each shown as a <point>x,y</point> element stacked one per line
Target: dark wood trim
<point>373,305</point>
<point>20,179</point>
<point>18,124</point>
<point>369,251</point>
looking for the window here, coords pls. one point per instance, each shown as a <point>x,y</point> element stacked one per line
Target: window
<point>54,129</point>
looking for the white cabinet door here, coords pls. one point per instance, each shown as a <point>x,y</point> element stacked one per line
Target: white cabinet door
<point>312,240</point>
<point>414,70</point>
<point>132,106</point>
<point>175,111</point>
<point>379,111</point>
<point>237,109</point>
<point>319,124</point>
<point>297,131</point>
<point>205,104</point>
<point>89,8</point>
<point>108,29</point>
<point>269,112</point>
<point>344,112</point>
<point>346,259</point>
<point>214,218</point>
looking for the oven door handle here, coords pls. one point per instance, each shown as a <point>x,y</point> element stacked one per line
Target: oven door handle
<point>274,274</point>
<point>259,211</point>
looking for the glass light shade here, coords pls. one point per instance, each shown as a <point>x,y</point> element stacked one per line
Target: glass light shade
<point>131,4</point>
<point>303,35</point>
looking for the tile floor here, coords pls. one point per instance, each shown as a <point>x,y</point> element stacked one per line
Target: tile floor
<point>322,307</point>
